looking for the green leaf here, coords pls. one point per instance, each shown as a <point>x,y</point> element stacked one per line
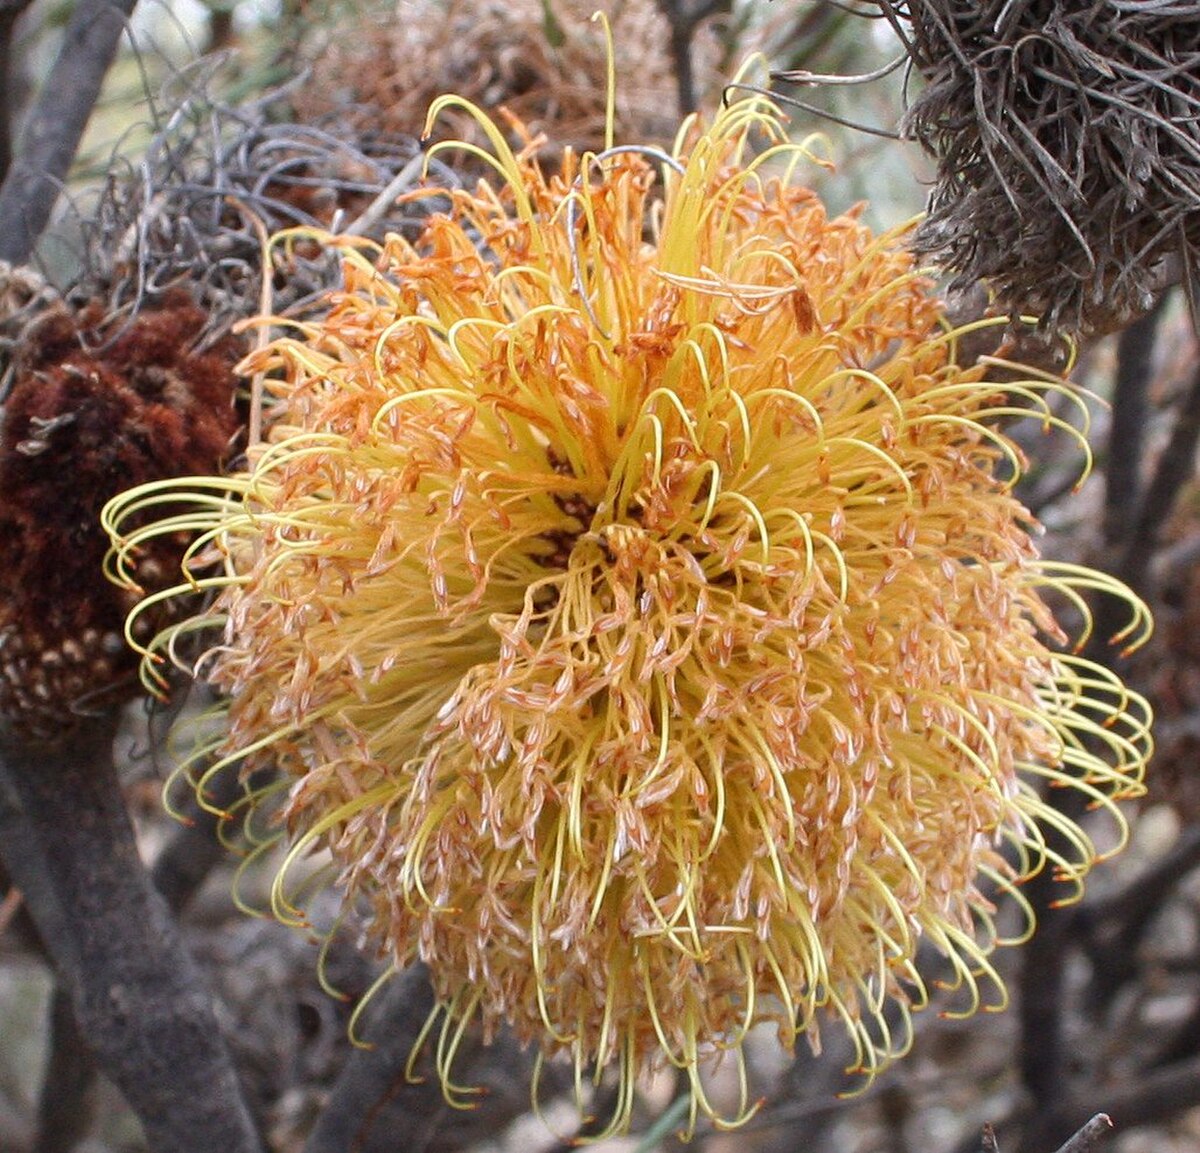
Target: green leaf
<point>555,36</point>
<point>668,1121</point>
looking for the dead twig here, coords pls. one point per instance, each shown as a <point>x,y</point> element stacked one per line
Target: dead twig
<point>1088,1135</point>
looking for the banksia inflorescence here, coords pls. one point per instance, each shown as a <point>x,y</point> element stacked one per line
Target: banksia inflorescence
<point>1068,149</point>
<point>632,594</point>
<point>96,405</point>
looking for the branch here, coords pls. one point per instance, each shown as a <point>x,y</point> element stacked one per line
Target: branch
<point>683,18</point>
<point>9,11</point>
<point>1111,930</point>
<point>375,1077</point>
<point>1042,1049</point>
<point>1130,415</point>
<point>137,996</point>
<point>56,122</point>
<point>1175,468</point>
<point>64,1112</point>
<point>375,1108</point>
<point>64,1103</point>
<point>195,847</point>
<point>64,1107</point>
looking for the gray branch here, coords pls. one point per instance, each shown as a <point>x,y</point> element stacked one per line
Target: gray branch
<point>138,999</point>
<point>56,123</point>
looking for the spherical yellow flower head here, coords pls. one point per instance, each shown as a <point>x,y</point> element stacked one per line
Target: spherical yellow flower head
<point>631,597</point>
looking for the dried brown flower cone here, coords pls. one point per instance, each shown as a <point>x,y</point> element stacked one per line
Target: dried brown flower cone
<point>84,420</point>
<point>1067,137</point>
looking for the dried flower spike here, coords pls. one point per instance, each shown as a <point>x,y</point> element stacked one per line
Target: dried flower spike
<point>630,597</point>
<point>96,405</point>
<point>1068,149</point>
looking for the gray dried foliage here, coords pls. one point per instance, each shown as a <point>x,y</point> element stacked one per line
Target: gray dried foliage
<point>1067,139</point>
<point>217,179</point>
